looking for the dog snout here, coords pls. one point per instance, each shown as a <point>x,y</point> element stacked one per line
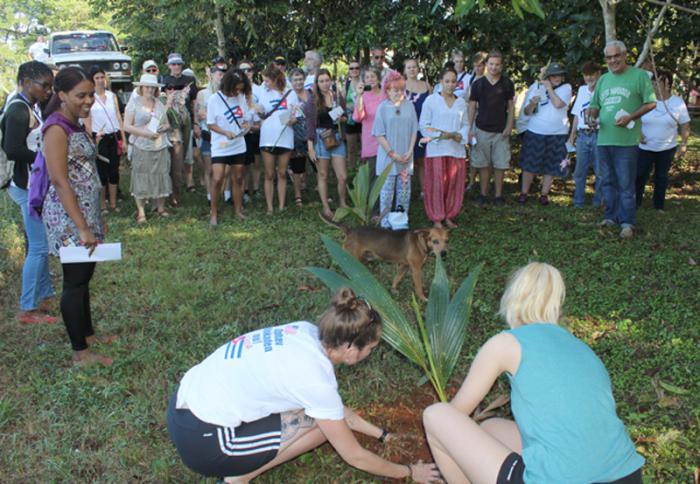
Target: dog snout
<point>443,254</point>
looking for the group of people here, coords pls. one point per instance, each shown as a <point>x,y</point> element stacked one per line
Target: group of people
<point>265,397</point>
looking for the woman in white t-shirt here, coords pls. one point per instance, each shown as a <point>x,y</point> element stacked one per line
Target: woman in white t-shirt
<point>544,142</point>
<point>276,134</point>
<point>270,395</point>
<point>228,120</point>
<point>659,142</point>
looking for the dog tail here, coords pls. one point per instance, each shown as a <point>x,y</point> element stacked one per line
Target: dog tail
<point>333,223</point>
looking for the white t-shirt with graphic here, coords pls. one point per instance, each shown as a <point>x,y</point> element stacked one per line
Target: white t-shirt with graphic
<point>549,120</point>
<point>659,129</point>
<point>271,370</point>
<point>309,81</point>
<point>274,131</point>
<point>583,99</point>
<point>229,118</point>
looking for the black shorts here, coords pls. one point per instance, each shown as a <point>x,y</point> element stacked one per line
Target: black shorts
<point>513,469</point>
<point>239,159</point>
<point>298,165</point>
<point>275,150</point>
<point>252,144</point>
<point>215,451</point>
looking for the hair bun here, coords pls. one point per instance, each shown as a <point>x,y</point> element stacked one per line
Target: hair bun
<point>345,300</point>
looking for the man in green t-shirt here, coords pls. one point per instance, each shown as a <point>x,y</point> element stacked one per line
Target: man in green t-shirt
<point>622,96</point>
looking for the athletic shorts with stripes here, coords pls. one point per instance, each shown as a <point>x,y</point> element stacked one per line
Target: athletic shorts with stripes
<point>216,451</point>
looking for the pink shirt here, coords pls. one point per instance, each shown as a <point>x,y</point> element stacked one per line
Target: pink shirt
<point>370,103</point>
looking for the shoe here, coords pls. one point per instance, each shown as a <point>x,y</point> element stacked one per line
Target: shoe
<point>482,200</point>
<point>626,233</point>
<point>246,198</point>
<point>35,317</point>
<point>522,198</point>
<point>606,223</point>
<point>544,200</point>
<point>499,202</point>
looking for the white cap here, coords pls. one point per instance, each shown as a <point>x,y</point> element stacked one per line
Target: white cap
<point>149,63</point>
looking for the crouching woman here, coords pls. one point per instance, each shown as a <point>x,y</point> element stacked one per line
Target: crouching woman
<point>271,395</point>
<point>565,429</point>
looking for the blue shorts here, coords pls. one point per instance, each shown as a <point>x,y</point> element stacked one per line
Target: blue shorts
<point>322,152</point>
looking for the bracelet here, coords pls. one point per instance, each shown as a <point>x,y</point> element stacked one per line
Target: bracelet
<point>384,435</point>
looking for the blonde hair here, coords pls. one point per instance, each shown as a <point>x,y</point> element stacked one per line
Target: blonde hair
<point>349,321</point>
<point>534,294</point>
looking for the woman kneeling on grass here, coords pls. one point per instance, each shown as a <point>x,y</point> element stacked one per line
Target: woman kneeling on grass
<point>271,395</point>
<point>565,429</point>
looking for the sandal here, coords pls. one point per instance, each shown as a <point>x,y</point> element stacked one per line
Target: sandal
<point>544,200</point>
<point>163,213</point>
<point>299,202</point>
<point>89,358</point>
<point>140,219</point>
<point>36,317</point>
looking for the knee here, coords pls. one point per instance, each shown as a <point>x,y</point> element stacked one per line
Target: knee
<point>341,179</point>
<point>432,414</point>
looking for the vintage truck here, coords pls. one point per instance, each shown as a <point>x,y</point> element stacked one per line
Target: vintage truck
<point>86,48</point>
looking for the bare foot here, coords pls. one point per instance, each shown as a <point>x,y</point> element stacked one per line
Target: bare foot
<point>450,224</point>
<point>240,215</point>
<point>328,213</point>
<point>438,225</point>
<point>270,211</point>
<point>104,339</point>
<point>87,358</point>
<point>213,221</point>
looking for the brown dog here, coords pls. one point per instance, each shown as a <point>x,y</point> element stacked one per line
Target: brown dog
<point>408,248</point>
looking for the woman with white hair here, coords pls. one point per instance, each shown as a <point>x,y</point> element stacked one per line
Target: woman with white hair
<point>565,429</point>
<point>146,121</point>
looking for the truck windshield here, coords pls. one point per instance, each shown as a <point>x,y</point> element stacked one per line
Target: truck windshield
<point>82,42</point>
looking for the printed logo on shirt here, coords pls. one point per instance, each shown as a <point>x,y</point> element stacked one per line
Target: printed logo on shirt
<point>613,96</point>
<point>269,338</point>
<point>282,105</point>
<point>233,113</point>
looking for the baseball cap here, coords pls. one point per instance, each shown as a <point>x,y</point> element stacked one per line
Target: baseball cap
<point>280,59</point>
<point>175,58</point>
<point>149,63</point>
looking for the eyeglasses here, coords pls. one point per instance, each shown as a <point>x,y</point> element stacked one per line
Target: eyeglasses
<point>613,56</point>
<point>46,86</point>
<point>152,69</point>
<point>378,56</point>
<point>354,68</point>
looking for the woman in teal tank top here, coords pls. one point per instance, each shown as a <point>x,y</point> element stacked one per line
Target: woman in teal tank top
<point>566,429</point>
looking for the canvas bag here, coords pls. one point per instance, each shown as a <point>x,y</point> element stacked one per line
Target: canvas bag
<point>398,218</point>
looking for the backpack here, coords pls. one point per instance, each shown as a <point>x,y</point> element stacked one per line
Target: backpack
<point>7,166</point>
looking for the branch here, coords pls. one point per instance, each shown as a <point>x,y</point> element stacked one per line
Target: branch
<point>650,35</point>
<point>677,7</point>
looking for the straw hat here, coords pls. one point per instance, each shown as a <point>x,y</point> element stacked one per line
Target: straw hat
<point>148,80</point>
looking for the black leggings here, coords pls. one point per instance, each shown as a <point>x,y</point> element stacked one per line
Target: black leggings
<point>109,173</point>
<point>75,303</point>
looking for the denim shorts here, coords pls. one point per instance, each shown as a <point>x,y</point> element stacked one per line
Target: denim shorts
<point>322,152</point>
<point>205,147</point>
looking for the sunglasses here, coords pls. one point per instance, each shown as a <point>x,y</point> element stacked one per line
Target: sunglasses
<point>354,68</point>
<point>152,69</point>
<point>169,88</point>
<point>378,56</point>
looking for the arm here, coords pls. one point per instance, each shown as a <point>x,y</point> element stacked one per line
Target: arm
<point>572,134</point>
<point>472,116</point>
<point>344,442</point>
<point>56,150</point>
<point>426,118</point>
<point>120,120</point>
<point>553,96</point>
<point>500,353</point>
<point>509,121</point>
<point>644,108</point>
<point>358,113</point>
<point>683,147</point>
<point>16,130</point>
<point>131,129</point>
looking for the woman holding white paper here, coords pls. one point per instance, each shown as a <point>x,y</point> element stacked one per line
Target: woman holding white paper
<point>71,208</point>
<point>146,122</point>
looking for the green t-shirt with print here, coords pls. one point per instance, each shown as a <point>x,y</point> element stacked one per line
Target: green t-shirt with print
<point>627,91</point>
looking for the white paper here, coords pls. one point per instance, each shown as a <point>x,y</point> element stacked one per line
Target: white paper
<point>153,125</point>
<point>622,113</point>
<point>102,253</point>
<point>284,117</point>
<point>570,148</point>
<point>335,113</point>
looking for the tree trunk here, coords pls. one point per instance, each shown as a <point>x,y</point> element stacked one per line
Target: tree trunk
<point>608,7</point>
<point>219,26</point>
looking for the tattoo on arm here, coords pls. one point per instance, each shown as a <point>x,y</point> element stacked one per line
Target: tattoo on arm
<point>293,422</point>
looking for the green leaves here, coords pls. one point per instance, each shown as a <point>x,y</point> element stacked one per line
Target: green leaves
<point>362,196</point>
<point>434,343</point>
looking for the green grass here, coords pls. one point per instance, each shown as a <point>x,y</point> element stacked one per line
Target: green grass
<point>183,289</point>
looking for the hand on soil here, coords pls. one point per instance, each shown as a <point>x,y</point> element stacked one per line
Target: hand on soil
<point>421,472</point>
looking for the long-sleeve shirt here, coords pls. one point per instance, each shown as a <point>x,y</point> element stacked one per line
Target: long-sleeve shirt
<point>15,127</point>
<point>436,114</point>
<point>370,103</point>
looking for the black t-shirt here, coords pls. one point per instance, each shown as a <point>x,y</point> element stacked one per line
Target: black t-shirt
<point>493,103</point>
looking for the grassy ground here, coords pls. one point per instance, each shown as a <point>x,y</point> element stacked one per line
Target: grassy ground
<point>183,289</point>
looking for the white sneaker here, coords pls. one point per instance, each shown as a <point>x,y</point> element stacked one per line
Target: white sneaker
<point>626,233</point>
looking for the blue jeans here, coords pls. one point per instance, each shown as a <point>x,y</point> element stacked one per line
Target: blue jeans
<point>586,158</point>
<point>36,281</point>
<point>618,168</point>
<point>661,162</point>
